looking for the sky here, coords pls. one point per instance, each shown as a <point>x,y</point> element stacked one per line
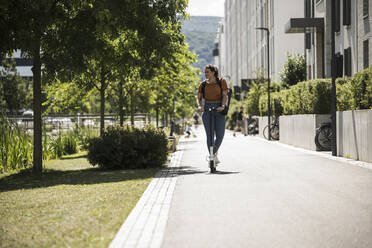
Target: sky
<point>206,7</point>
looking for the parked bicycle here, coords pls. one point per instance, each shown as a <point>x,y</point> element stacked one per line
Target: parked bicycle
<point>252,124</point>
<point>323,137</point>
<point>274,129</point>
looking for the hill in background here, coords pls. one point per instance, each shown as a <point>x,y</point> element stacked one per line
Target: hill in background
<point>200,34</point>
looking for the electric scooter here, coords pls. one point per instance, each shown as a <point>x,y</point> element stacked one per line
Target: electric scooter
<point>212,157</point>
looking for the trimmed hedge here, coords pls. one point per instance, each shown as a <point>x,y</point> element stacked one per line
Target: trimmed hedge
<point>256,106</point>
<point>314,96</point>
<point>309,97</point>
<point>355,92</point>
<point>128,148</point>
<point>275,102</point>
<point>253,99</point>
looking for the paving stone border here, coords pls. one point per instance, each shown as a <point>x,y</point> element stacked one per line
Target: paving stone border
<point>145,225</point>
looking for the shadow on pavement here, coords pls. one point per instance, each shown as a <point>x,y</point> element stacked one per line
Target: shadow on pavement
<point>182,170</point>
<point>27,180</point>
<point>225,172</point>
<point>189,170</point>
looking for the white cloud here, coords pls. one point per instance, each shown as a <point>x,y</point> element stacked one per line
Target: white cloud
<point>206,7</point>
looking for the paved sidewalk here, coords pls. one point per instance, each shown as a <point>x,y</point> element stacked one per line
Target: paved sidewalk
<point>264,195</point>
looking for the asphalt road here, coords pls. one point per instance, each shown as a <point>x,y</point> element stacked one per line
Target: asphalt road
<point>268,195</point>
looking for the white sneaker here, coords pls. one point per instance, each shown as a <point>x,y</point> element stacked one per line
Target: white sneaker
<point>217,160</point>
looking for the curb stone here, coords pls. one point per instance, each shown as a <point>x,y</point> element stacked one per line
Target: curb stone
<point>145,225</point>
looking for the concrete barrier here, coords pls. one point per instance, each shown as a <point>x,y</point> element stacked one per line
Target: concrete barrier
<point>354,134</point>
<point>262,123</point>
<point>299,130</point>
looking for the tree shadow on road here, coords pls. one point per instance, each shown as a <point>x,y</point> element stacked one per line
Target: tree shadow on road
<point>182,170</point>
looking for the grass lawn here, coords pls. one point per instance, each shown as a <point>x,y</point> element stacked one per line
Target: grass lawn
<point>71,205</point>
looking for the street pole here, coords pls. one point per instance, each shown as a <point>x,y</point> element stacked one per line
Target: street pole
<point>268,81</point>
<point>333,89</point>
<point>172,117</point>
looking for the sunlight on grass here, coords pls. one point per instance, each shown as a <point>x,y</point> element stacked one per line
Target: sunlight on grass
<point>70,205</point>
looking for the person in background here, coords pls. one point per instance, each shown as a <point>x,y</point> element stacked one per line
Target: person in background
<point>188,130</point>
<point>240,122</point>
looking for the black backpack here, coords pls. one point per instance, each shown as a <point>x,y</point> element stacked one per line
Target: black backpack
<point>229,93</point>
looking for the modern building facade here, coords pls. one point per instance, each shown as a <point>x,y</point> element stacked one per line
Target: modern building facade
<point>243,48</point>
<point>353,35</point>
<point>23,65</point>
<point>296,26</point>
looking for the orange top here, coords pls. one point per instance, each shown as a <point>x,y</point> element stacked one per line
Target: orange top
<point>212,92</point>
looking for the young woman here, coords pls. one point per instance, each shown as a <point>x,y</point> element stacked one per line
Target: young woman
<point>212,98</point>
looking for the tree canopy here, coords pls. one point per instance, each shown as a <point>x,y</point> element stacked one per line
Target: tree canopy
<point>70,37</point>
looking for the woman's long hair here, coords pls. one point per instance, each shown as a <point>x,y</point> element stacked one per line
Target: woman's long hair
<point>214,69</point>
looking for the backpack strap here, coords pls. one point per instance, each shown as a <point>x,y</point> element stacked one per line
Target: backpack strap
<point>204,83</point>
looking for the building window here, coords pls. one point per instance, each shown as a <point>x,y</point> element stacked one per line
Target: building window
<point>365,54</point>
<point>337,15</point>
<point>339,65</point>
<point>307,40</point>
<point>347,12</point>
<point>347,64</point>
<point>307,8</point>
<point>365,8</point>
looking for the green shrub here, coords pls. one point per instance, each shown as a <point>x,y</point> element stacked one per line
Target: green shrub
<point>361,87</point>
<point>69,144</point>
<point>294,70</point>
<point>16,146</point>
<point>57,146</point>
<point>128,148</point>
<point>232,114</point>
<point>82,136</point>
<point>344,94</point>
<point>310,97</point>
<point>253,100</point>
<point>275,103</point>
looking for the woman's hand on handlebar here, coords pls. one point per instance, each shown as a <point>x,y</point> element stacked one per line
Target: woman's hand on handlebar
<point>219,109</point>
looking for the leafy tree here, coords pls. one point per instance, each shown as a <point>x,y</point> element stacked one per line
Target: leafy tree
<point>65,36</point>
<point>28,26</point>
<point>176,81</point>
<point>294,70</point>
<point>66,98</point>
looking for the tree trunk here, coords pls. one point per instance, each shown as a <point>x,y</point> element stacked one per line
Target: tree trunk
<point>102,93</point>
<point>36,70</point>
<point>121,104</point>
<point>157,117</point>
<point>132,108</point>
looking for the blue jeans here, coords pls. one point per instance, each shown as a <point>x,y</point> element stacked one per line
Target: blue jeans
<point>218,125</point>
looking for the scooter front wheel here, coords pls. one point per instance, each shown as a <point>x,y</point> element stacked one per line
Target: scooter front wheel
<point>212,166</point>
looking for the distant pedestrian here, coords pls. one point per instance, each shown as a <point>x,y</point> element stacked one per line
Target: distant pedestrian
<point>240,122</point>
<point>188,130</point>
<point>211,95</point>
<point>196,119</point>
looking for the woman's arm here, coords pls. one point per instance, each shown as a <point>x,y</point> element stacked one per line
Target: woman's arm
<point>199,101</point>
<point>224,96</point>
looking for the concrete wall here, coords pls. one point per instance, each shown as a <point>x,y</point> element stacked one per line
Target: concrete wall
<point>354,134</point>
<point>299,130</point>
<point>262,123</point>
